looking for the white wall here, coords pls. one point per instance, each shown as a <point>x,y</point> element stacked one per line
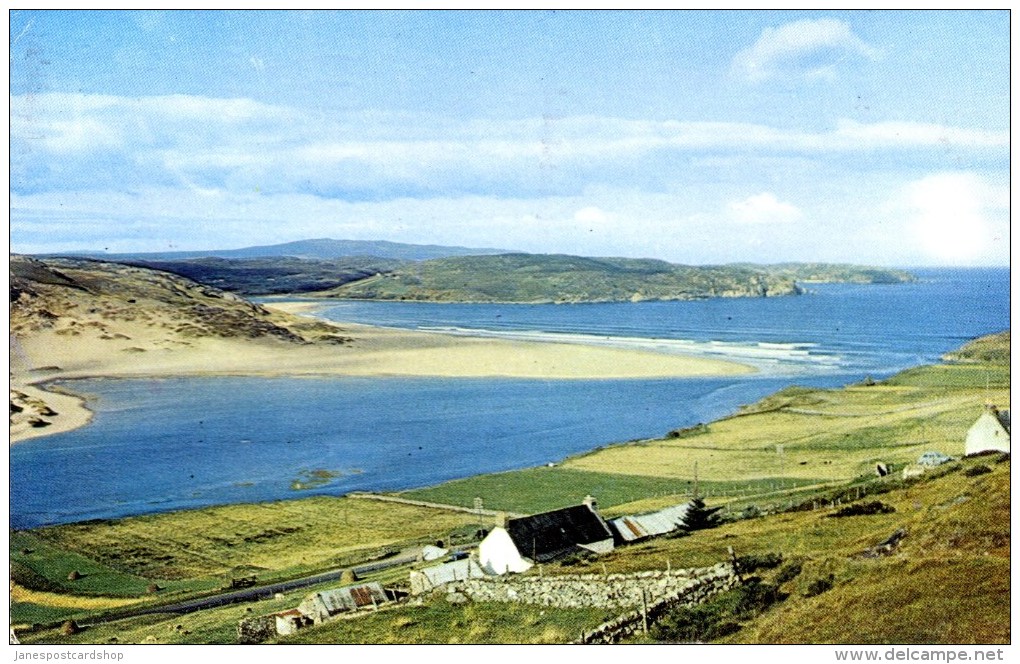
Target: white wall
<point>498,554</point>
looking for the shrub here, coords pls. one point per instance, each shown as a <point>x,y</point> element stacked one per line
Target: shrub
<point>693,623</point>
<point>696,430</point>
<point>789,572</point>
<point>754,597</point>
<point>753,562</point>
<point>974,471</point>
<point>750,512</point>
<point>820,585</point>
<point>864,509</point>
<point>581,557</point>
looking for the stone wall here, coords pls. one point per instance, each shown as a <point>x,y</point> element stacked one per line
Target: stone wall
<point>695,593</point>
<point>613,591</point>
<point>256,629</point>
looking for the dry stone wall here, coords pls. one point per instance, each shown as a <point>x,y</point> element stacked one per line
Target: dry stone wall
<point>613,591</point>
<point>630,623</point>
<point>256,629</point>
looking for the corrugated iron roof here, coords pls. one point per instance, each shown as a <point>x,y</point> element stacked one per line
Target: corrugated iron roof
<point>350,598</point>
<point>631,528</point>
<point>458,570</point>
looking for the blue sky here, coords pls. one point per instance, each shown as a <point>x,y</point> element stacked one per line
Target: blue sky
<point>697,137</point>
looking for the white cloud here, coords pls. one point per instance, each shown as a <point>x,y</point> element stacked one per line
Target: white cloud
<point>590,214</point>
<point>915,134</point>
<point>956,217</point>
<point>763,208</point>
<point>77,141</point>
<point>125,172</point>
<point>810,48</point>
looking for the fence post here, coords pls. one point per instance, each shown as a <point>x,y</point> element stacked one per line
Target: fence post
<point>644,612</point>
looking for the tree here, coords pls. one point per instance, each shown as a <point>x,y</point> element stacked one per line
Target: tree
<point>700,517</point>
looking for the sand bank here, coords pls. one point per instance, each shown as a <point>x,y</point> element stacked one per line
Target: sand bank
<point>144,351</point>
<point>44,412</point>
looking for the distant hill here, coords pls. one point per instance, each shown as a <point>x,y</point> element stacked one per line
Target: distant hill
<point>561,278</point>
<point>323,248</point>
<point>272,276</point>
<point>835,273</point>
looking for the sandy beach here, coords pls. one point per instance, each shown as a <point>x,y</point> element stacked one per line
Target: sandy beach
<point>146,351</point>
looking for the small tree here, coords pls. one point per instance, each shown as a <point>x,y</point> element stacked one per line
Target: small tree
<point>700,517</point>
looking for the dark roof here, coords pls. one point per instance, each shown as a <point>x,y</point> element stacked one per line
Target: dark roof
<point>545,536</point>
<point>1003,417</point>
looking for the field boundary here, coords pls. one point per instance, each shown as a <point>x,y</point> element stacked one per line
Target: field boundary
<point>438,506</point>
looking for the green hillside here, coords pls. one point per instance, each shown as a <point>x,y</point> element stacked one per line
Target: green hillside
<point>560,278</point>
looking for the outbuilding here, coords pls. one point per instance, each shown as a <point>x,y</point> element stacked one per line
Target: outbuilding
<point>326,604</point>
<point>642,526</point>
<point>429,578</point>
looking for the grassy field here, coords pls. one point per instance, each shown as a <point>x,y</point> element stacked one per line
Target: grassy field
<point>822,434</point>
<point>799,437</point>
<point>201,550</point>
<point>947,582</point>
<point>273,540</point>
<point>541,489</point>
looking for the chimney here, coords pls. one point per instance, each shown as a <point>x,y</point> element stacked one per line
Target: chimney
<point>590,501</point>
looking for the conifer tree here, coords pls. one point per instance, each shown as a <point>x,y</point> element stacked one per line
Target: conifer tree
<point>699,516</point>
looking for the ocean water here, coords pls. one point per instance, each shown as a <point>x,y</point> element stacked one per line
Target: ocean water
<point>158,445</point>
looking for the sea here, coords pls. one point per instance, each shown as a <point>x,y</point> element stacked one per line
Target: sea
<point>166,444</point>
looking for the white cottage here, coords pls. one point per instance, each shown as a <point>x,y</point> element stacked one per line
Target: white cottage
<point>498,554</point>
<point>543,537</point>
<point>990,433</point>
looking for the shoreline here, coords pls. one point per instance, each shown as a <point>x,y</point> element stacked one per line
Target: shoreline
<point>373,351</point>
<point>68,410</point>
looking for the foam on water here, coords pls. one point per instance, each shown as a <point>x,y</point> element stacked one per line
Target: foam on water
<point>772,357</point>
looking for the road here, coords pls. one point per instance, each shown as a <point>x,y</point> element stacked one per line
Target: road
<point>255,593</point>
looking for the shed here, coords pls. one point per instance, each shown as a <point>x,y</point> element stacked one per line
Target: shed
<point>544,537</point>
<point>933,459</point>
<point>323,605</point>
<point>424,580</point>
<point>990,433</point>
<point>634,528</point>
<point>430,552</point>
<point>290,621</point>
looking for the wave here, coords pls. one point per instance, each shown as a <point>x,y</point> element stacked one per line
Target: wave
<point>761,354</point>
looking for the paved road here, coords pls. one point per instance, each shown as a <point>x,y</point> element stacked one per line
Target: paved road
<point>255,593</point>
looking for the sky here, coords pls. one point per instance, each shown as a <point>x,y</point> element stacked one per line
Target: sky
<point>699,137</point>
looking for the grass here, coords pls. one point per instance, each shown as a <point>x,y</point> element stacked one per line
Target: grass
<point>948,582</point>
<point>827,435</point>
<point>541,489</point>
<point>36,564</point>
<point>271,540</point>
